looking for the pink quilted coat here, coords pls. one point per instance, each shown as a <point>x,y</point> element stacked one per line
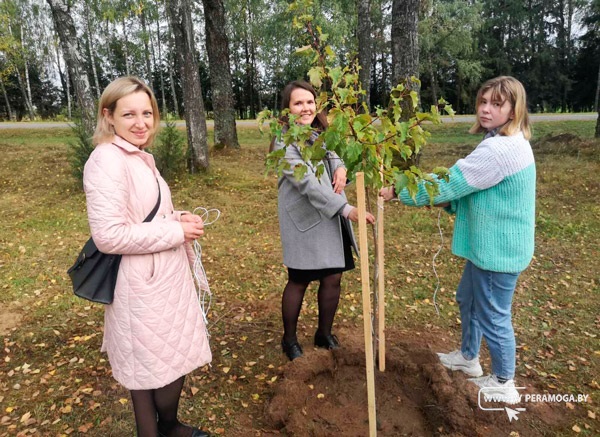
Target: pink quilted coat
<point>154,332</point>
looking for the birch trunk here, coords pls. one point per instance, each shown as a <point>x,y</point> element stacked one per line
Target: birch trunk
<point>65,27</point>
<point>171,78</point>
<point>364,47</point>
<point>180,16</point>
<point>217,46</point>
<point>91,52</point>
<point>7,102</point>
<point>160,70</point>
<point>146,47</point>
<point>126,48</point>
<point>405,43</point>
<point>28,99</point>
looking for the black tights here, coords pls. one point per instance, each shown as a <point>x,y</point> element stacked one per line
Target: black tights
<point>328,299</point>
<point>162,404</point>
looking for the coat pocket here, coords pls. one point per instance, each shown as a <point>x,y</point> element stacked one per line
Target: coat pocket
<point>143,267</point>
<point>303,214</point>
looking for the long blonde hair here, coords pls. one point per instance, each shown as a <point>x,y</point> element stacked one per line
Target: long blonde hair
<point>116,90</point>
<point>506,88</point>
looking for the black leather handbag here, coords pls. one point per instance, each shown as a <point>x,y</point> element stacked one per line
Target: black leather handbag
<point>94,274</point>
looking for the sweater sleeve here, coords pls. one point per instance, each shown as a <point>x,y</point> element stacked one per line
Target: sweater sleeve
<point>108,196</point>
<point>477,171</point>
<point>318,192</point>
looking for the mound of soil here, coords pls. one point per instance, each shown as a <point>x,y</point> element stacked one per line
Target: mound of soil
<point>566,145</point>
<point>324,394</point>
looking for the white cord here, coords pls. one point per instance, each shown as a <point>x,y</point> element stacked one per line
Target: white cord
<point>437,278</point>
<point>208,216</point>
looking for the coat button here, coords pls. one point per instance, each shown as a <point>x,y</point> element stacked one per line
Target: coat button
<point>164,216</point>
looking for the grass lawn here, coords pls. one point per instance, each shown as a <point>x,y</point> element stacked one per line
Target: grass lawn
<point>54,380</point>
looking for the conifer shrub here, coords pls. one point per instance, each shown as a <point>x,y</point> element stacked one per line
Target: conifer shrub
<point>170,151</point>
<point>79,150</point>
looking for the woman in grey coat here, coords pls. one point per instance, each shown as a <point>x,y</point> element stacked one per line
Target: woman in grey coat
<point>314,220</point>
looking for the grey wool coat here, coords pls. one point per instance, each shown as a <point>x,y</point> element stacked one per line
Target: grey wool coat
<point>310,215</point>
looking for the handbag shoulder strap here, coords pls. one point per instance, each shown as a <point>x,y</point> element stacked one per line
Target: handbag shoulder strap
<point>155,209</point>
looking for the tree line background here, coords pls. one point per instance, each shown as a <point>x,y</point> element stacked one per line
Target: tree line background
<point>553,46</point>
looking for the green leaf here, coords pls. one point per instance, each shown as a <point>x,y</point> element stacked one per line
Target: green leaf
<point>442,173</point>
<point>314,75</point>
<point>336,76</point>
<point>432,191</point>
<point>319,170</point>
<point>343,95</point>
<point>299,171</point>
<point>415,98</point>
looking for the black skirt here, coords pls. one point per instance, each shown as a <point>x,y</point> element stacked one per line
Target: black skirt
<point>305,276</point>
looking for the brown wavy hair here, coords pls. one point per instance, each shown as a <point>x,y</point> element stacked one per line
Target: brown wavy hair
<point>320,122</point>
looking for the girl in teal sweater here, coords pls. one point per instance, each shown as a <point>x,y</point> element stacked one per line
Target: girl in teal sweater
<point>492,194</point>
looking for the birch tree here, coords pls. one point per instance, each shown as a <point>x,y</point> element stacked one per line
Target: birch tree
<point>364,47</point>
<point>65,27</point>
<point>217,47</point>
<point>180,17</point>
<point>405,40</point>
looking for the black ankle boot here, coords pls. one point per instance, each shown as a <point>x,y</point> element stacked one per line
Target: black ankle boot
<point>326,341</point>
<point>196,432</point>
<point>293,350</point>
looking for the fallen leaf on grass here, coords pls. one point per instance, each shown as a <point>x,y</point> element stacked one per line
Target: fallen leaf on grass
<point>576,428</point>
<point>591,414</point>
<point>85,428</point>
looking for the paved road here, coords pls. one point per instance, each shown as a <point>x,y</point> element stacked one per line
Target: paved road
<point>251,123</point>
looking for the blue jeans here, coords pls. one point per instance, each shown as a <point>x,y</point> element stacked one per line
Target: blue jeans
<point>485,300</point>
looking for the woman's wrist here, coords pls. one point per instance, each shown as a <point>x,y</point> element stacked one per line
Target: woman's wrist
<point>346,210</point>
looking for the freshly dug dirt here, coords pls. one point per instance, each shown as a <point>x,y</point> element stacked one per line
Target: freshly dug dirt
<point>324,394</point>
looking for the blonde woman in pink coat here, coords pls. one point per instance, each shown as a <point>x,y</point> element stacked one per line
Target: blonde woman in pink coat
<point>154,331</point>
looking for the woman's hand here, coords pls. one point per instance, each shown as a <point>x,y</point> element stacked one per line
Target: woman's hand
<point>354,216</point>
<point>193,227</point>
<point>388,193</point>
<point>339,180</point>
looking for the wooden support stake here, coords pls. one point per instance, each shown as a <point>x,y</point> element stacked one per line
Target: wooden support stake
<point>380,285</point>
<point>366,299</point>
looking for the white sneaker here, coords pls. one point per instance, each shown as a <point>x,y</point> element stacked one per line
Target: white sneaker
<point>455,361</point>
<point>494,391</point>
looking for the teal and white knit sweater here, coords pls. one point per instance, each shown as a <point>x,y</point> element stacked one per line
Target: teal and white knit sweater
<point>492,193</point>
